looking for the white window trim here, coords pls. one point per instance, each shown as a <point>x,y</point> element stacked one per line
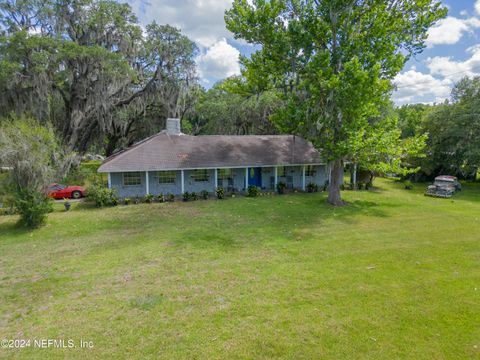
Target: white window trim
<point>123,178</point>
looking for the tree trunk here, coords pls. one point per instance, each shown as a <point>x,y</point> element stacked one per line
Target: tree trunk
<point>334,196</point>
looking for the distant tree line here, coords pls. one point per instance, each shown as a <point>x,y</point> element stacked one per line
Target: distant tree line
<point>452,130</point>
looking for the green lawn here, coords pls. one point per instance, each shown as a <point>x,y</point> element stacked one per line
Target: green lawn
<point>393,275</point>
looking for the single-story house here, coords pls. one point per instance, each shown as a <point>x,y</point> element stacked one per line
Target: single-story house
<point>174,163</point>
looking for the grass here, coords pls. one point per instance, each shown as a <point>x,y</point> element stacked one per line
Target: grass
<point>393,275</point>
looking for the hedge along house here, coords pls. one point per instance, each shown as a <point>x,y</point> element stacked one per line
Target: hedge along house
<point>174,163</point>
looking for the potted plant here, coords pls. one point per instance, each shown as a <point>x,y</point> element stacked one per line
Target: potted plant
<point>220,192</point>
<point>281,187</point>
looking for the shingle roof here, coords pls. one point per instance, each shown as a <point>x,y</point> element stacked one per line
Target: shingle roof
<point>170,152</point>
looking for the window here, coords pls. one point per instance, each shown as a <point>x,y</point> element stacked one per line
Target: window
<point>132,178</point>
<point>166,177</point>
<point>282,171</point>
<point>225,174</point>
<point>310,170</point>
<point>200,175</point>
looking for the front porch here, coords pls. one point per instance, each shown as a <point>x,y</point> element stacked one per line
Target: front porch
<point>235,180</point>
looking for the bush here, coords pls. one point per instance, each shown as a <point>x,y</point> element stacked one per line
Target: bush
<point>193,196</point>
<point>408,185</point>
<point>186,196</point>
<point>127,201</point>
<point>252,191</point>
<point>311,187</point>
<point>161,198</point>
<point>281,187</point>
<point>220,192</point>
<point>204,194</point>
<point>102,196</point>
<point>170,198</point>
<point>33,208</point>
<point>149,198</point>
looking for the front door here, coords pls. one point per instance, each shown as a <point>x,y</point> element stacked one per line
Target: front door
<point>255,177</point>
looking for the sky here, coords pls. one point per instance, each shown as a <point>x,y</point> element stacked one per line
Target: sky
<point>452,52</point>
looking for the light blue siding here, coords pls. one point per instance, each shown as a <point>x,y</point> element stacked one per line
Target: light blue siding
<point>293,179</point>
<point>129,190</point>
<point>156,188</point>
<point>197,186</point>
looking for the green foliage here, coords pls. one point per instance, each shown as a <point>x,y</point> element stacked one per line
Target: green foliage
<point>333,61</point>
<point>161,198</point>
<point>312,187</point>
<point>186,196</point>
<point>193,196</point>
<point>149,198</point>
<point>33,207</point>
<point>281,187</point>
<point>127,201</point>
<point>102,196</point>
<point>170,197</point>
<point>408,185</point>
<point>453,130</point>
<point>204,194</point>
<point>220,192</point>
<point>253,191</point>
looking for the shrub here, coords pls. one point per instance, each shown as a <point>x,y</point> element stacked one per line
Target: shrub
<point>149,198</point>
<point>193,196</point>
<point>33,208</point>
<point>161,198</point>
<point>220,192</point>
<point>408,185</point>
<point>281,187</point>
<point>127,201</point>
<point>170,197</point>
<point>252,191</point>
<point>102,196</point>
<point>186,196</point>
<point>312,187</point>
<point>204,194</point>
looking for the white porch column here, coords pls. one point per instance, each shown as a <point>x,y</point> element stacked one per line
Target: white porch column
<point>216,179</point>
<point>246,178</point>
<point>147,183</point>
<point>109,180</point>
<point>276,177</point>
<point>183,181</point>
<point>303,177</point>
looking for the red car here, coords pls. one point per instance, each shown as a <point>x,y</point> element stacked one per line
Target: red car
<point>58,191</point>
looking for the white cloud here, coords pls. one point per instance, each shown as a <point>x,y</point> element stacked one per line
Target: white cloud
<point>201,20</point>
<point>414,86</point>
<point>455,70</point>
<point>477,7</point>
<point>218,62</point>
<point>450,30</point>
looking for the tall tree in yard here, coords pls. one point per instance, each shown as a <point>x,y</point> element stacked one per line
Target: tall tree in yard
<point>332,59</point>
<point>87,66</point>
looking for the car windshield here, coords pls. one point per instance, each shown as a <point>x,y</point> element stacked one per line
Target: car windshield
<point>57,187</point>
<point>443,182</point>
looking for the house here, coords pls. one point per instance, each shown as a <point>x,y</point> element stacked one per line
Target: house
<point>171,162</point>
